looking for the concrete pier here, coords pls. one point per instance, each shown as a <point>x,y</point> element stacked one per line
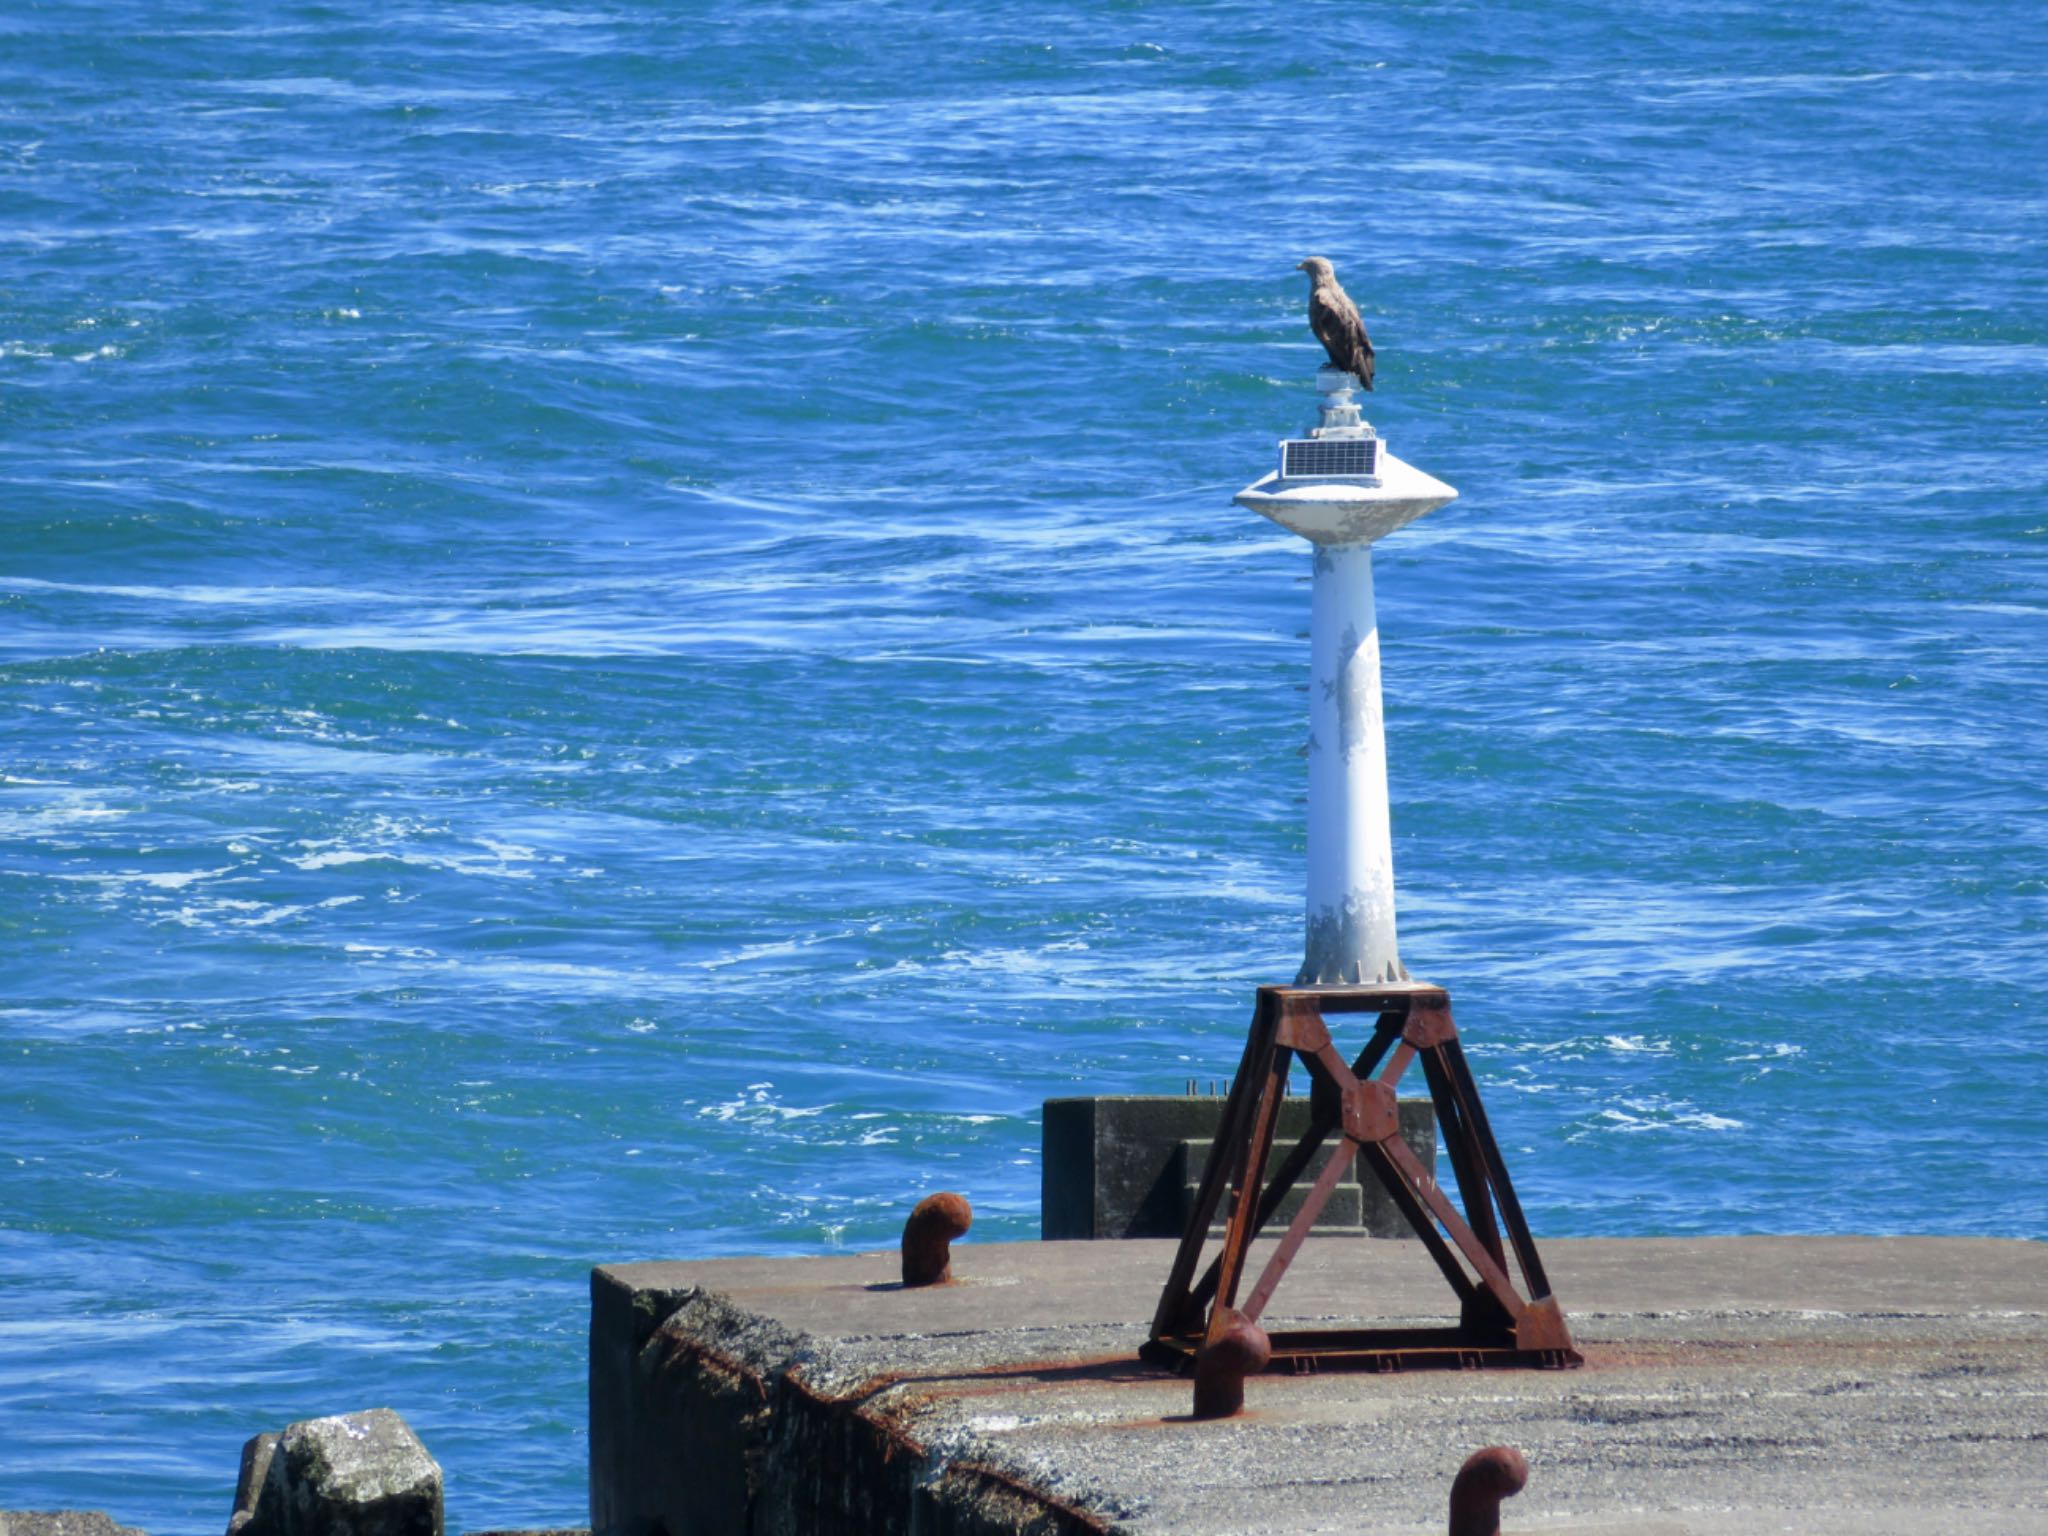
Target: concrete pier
<point>1733,1386</point>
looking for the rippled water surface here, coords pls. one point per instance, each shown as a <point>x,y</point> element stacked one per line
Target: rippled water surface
<point>622,635</point>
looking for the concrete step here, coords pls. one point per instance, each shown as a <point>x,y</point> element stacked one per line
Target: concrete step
<point>1114,1165</point>
<point>1345,1211</point>
<point>1358,1205</point>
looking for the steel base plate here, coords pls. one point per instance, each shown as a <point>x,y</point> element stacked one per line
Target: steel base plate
<point>1307,1352</point>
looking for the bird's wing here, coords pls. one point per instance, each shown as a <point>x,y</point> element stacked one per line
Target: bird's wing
<point>1328,315</point>
<point>1334,319</point>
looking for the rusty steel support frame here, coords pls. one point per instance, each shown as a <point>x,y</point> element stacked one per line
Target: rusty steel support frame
<point>1497,1324</point>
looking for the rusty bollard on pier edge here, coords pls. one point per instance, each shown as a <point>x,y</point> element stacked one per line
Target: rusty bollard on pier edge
<point>1488,1476</point>
<point>1241,1350</point>
<point>928,1238</point>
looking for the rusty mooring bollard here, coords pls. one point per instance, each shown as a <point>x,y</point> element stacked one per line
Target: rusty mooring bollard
<point>928,1238</point>
<point>1488,1476</point>
<point>1220,1368</point>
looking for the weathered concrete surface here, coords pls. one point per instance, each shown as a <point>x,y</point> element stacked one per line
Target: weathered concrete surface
<point>62,1522</point>
<point>253,1484</point>
<point>1733,1385</point>
<point>352,1474</point>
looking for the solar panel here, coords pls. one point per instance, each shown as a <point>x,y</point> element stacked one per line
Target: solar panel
<point>1329,458</point>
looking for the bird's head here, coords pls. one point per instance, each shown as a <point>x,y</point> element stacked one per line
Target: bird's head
<point>1317,269</point>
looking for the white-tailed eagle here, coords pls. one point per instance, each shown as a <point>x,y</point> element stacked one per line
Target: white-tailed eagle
<point>1334,319</point>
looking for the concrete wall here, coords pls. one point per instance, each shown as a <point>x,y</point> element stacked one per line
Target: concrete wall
<point>705,1422</point>
<point>1126,1165</point>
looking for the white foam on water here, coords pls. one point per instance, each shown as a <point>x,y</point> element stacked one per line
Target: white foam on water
<point>167,880</point>
<point>1656,1113</point>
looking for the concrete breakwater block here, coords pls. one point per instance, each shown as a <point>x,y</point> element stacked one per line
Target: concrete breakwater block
<point>62,1522</point>
<point>1827,1386</point>
<point>352,1474</point>
<point>1127,1165</point>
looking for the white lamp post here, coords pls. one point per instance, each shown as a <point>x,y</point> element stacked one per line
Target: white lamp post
<point>1341,490</point>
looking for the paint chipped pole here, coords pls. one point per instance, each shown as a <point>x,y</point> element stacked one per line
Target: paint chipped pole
<point>1341,490</point>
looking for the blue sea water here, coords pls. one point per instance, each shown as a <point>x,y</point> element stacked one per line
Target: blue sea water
<point>622,635</point>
